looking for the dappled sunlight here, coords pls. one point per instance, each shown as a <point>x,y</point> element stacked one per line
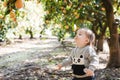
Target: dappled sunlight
<point>28,44</point>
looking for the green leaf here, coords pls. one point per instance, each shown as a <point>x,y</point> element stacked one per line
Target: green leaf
<point>7,11</point>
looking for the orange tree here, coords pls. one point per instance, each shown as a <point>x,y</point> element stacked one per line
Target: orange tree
<point>95,14</point>
<point>74,14</point>
<point>8,15</point>
<point>22,20</point>
<point>69,14</point>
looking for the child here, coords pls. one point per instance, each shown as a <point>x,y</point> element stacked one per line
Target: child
<point>83,57</point>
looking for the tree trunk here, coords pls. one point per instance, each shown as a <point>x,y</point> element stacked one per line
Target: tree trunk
<point>100,43</point>
<point>31,34</point>
<point>20,36</point>
<point>114,59</point>
<point>99,36</point>
<point>119,39</point>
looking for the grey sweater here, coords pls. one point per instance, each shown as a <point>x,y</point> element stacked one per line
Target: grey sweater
<point>83,56</point>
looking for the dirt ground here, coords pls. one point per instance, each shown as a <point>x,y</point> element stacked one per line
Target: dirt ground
<point>35,59</point>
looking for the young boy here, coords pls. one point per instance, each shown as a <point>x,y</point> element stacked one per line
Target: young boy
<point>83,57</point>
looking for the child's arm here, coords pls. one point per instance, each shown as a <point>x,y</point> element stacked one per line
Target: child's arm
<point>59,66</point>
<point>94,61</point>
<point>66,62</point>
<point>89,72</point>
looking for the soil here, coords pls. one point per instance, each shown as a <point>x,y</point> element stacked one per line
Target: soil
<point>35,59</point>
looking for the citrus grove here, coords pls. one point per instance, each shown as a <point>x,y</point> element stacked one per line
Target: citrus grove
<point>63,18</point>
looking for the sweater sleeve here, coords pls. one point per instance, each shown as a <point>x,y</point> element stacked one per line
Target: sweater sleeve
<point>93,59</point>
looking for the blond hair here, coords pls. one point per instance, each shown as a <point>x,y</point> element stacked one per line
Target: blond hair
<point>90,35</point>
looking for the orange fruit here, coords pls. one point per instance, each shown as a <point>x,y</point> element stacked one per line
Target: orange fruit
<point>18,4</point>
<point>66,27</point>
<point>1,17</point>
<point>14,19</point>
<point>47,21</point>
<point>103,9</point>
<point>77,16</point>
<point>75,13</point>
<point>12,14</point>
<point>5,4</point>
<point>64,11</point>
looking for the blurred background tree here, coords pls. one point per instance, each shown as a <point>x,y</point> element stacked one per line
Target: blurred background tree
<point>20,19</point>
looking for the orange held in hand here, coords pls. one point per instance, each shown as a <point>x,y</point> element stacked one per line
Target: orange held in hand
<point>18,4</point>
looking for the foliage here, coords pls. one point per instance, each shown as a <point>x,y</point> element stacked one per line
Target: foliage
<point>72,14</point>
<point>8,14</point>
<point>22,16</point>
<point>68,13</point>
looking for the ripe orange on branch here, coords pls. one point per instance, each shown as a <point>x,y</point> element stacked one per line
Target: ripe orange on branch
<point>18,4</point>
<point>1,17</point>
<point>5,4</point>
<point>64,11</point>
<point>14,19</point>
<point>12,14</point>
<point>103,9</point>
<point>66,27</point>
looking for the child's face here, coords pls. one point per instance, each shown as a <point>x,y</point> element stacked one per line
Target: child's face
<point>81,38</point>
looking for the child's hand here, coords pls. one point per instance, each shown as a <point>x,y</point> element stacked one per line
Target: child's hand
<point>58,67</point>
<point>89,72</point>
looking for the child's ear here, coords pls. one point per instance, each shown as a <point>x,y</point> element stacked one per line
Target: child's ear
<point>87,40</point>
